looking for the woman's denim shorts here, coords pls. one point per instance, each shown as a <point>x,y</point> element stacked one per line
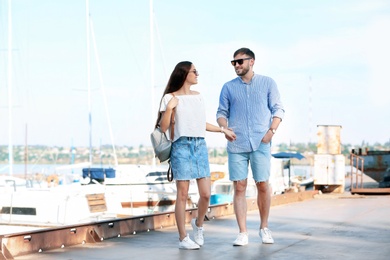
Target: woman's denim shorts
<point>260,161</point>
<point>189,158</point>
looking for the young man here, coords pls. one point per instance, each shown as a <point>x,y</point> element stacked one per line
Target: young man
<point>250,106</point>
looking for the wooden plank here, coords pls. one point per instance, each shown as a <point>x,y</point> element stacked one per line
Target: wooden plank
<point>96,202</point>
<point>95,196</point>
<point>370,190</point>
<point>97,208</point>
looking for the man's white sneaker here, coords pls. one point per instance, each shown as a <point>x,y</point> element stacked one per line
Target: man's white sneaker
<point>241,240</point>
<point>198,233</point>
<point>266,236</point>
<point>187,243</point>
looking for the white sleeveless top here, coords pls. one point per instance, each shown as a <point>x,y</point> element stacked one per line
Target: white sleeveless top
<point>190,117</point>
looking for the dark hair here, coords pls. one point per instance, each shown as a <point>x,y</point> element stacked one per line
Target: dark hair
<point>244,51</point>
<point>175,82</point>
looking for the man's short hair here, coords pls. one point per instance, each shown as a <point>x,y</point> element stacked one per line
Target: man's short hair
<point>246,51</point>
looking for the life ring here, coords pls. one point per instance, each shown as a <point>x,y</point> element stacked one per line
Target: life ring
<point>52,180</point>
<point>217,175</point>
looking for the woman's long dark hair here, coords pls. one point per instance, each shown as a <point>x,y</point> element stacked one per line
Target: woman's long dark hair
<point>175,82</point>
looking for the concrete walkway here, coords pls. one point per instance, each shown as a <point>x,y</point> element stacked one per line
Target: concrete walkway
<point>330,226</point>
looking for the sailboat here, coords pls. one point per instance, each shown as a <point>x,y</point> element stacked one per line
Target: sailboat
<point>125,191</point>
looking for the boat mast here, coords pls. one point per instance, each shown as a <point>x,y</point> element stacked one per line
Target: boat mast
<point>103,91</point>
<point>152,67</point>
<point>90,33</point>
<point>310,109</point>
<point>10,148</point>
<point>89,82</point>
<point>25,155</point>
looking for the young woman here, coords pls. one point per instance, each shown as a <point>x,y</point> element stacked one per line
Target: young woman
<point>189,155</point>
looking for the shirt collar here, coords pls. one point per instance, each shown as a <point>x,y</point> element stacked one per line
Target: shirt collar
<point>254,75</point>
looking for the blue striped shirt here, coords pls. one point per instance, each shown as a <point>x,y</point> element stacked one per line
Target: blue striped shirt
<point>249,109</point>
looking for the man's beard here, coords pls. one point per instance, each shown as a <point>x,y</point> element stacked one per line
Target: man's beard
<point>243,72</point>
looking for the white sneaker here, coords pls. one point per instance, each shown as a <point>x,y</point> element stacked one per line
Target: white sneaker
<point>266,236</point>
<point>198,233</point>
<point>241,240</point>
<point>187,243</point>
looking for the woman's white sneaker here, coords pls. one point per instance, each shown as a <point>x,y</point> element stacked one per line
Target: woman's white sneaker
<point>198,233</point>
<point>187,243</point>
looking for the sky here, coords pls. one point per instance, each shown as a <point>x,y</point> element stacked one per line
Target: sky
<point>330,60</point>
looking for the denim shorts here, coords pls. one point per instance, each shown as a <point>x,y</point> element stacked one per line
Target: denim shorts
<point>189,158</point>
<point>260,161</point>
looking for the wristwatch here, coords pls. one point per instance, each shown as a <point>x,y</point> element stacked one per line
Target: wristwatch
<point>273,130</point>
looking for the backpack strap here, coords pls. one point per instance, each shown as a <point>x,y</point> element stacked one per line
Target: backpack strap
<point>172,125</point>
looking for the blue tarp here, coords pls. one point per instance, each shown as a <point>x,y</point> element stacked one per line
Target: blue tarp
<point>286,155</point>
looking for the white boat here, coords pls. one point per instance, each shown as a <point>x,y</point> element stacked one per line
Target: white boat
<point>55,206</point>
<point>142,187</point>
<point>134,190</point>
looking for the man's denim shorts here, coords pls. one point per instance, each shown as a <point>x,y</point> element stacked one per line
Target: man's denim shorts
<point>189,158</point>
<point>260,161</point>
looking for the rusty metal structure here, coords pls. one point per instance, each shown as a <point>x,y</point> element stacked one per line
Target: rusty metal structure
<point>376,164</point>
<point>360,168</point>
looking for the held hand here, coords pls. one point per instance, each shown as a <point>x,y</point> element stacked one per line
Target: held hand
<point>229,135</point>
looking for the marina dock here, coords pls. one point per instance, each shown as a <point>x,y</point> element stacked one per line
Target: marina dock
<point>328,226</point>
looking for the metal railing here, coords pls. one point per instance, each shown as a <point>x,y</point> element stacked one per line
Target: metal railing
<point>357,168</point>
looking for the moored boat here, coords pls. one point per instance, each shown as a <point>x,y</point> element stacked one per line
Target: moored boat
<point>133,190</point>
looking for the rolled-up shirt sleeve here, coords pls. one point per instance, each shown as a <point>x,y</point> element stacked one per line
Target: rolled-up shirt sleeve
<point>223,108</point>
<point>275,104</point>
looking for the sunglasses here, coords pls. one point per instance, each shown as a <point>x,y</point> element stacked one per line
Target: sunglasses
<point>196,72</point>
<point>239,61</point>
